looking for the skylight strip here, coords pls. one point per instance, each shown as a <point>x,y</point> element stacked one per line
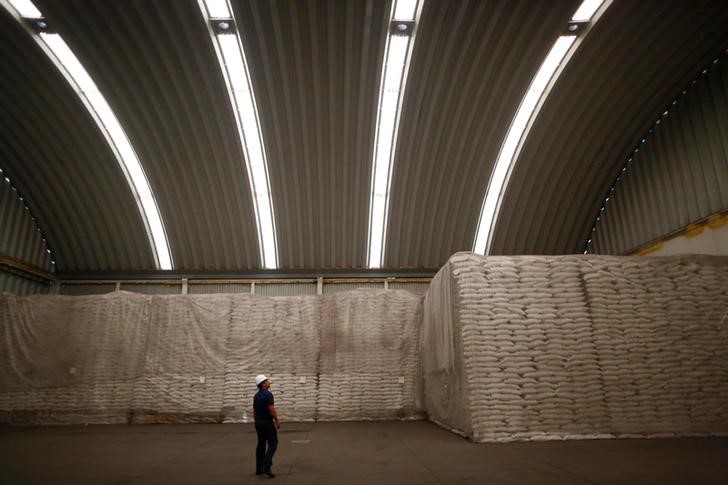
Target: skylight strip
<point>76,75</point>
<point>235,70</point>
<point>218,9</point>
<point>26,9</point>
<point>405,10</point>
<point>586,10</point>
<point>398,51</point>
<point>531,103</point>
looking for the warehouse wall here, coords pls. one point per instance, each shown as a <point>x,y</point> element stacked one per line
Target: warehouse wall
<point>282,287</point>
<point>677,174</point>
<point>20,284</point>
<point>126,357</point>
<point>708,238</point>
<point>582,346</point>
<point>20,240</point>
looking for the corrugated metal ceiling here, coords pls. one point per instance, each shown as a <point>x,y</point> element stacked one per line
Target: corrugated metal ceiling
<point>156,65</point>
<point>633,63</point>
<point>53,152</point>
<point>686,153</point>
<point>316,67</point>
<point>472,63</point>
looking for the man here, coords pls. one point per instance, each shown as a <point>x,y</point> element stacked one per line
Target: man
<point>265,415</point>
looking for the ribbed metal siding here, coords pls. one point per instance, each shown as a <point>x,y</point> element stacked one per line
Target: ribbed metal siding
<point>18,285</point>
<point>152,288</point>
<point>20,237</point>
<point>285,289</point>
<point>419,288</point>
<point>86,289</point>
<point>337,287</point>
<point>680,173</point>
<point>206,289</point>
<point>634,61</point>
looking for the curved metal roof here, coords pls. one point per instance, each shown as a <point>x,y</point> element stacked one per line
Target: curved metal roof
<point>472,63</point>
<point>674,157</point>
<point>156,65</point>
<point>633,63</point>
<point>58,160</point>
<point>21,238</point>
<point>316,68</point>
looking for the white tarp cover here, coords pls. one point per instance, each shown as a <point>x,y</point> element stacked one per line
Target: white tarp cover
<point>126,357</point>
<point>560,347</point>
<point>446,400</point>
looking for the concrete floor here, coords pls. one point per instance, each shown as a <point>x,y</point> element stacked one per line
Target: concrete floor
<point>348,453</point>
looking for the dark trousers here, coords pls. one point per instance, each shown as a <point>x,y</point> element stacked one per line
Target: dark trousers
<point>267,432</point>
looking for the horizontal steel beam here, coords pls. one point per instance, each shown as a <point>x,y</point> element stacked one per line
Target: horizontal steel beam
<point>284,276</point>
<point>19,266</point>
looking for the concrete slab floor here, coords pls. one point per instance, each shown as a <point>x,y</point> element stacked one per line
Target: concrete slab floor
<point>349,453</point>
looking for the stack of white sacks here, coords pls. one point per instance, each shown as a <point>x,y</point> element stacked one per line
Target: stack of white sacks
<point>368,356</point>
<point>278,337</point>
<point>513,348</point>
<point>664,351</point>
<point>589,347</point>
<point>127,357</point>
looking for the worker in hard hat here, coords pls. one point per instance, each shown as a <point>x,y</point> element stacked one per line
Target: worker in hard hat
<point>265,416</point>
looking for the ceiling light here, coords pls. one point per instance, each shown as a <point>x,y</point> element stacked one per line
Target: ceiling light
<point>223,26</point>
<point>231,57</point>
<point>575,27</point>
<point>397,54</point>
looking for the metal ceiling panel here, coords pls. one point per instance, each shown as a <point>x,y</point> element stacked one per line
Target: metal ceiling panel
<point>472,63</point>
<point>635,60</point>
<point>678,176</point>
<point>20,236</point>
<point>18,285</point>
<point>155,63</point>
<point>316,67</point>
<point>59,161</point>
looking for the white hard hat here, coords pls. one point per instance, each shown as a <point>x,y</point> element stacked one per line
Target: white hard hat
<point>260,378</point>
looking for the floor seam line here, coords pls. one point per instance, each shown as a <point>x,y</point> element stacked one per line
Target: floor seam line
<point>295,457</point>
<point>571,473</point>
<point>417,459</point>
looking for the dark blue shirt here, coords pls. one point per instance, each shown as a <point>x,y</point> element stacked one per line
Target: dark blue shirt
<point>261,401</point>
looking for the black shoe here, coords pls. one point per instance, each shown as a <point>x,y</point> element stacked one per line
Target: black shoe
<point>270,474</point>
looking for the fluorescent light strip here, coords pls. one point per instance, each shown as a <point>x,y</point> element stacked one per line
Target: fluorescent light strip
<point>237,77</point>
<point>398,51</point>
<point>531,103</point>
<point>58,51</point>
